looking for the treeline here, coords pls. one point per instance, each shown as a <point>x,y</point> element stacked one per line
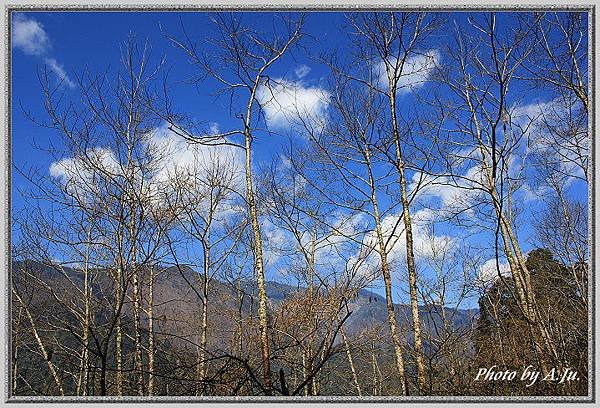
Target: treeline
<point>424,164</point>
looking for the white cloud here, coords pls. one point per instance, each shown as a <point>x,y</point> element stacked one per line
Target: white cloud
<point>29,36</point>
<point>567,145</point>
<point>331,245</point>
<point>286,104</point>
<point>458,194</point>
<point>424,242</point>
<point>329,250</point>
<point>180,156</point>
<point>197,166</point>
<point>414,74</point>
<point>488,272</point>
<point>60,72</point>
<point>276,239</point>
<point>423,245</point>
<point>81,175</point>
<point>191,166</point>
<point>427,244</point>
<point>530,193</point>
<point>301,71</point>
<point>454,194</point>
<point>214,128</point>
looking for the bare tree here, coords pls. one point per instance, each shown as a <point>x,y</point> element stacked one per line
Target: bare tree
<point>560,60</point>
<point>249,54</point>
<point>344,172</point>
<point>493,142</point>
<point>202,195</point>
<point>315,259</point>
<point>396,41</point>
<point>106,194</point>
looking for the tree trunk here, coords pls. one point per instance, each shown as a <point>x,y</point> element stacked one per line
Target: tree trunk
<point>138,334</point>
<point>387,279</point>
<point>41,346</point>
<point>15,355</point>
<point>202,367</point>
<point>522,279</point>
<point>392,317</point>
<point>103,385</point>
<point>151,333</point>
<point>410,257</point>
<point>118,340</point>
<point>82,382</point>
<point>312,384</point>
<point>259,267</point>
<point>374,367</point>
<point>83,367</point>
<point>351,362</point>
<point>240,296</point>
<point>306,373</point>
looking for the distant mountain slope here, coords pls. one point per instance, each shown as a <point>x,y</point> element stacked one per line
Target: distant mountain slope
<point>177,307</point>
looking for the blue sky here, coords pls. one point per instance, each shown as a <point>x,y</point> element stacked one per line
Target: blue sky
<point>68,42</point>
<point>78,40</point>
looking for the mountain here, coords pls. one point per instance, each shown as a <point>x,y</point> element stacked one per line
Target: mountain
<point>177,307</point>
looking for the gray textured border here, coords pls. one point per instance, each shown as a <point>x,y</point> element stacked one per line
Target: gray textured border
<point>7,225</point>
<point>6,364</point>
<point>298,7</point>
